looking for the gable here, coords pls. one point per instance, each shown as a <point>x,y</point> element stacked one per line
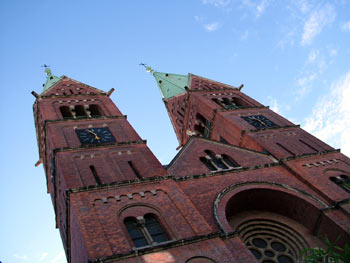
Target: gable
<point>66,86</point>
<point>200,83</point>
<point>188,160</point>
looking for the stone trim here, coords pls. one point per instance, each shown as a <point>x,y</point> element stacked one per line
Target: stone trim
<point>275,128</point>
<point>306,155</point>
<point>242,108</point>
<point>156,248</point>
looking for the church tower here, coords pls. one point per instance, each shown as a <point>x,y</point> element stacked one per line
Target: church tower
<point>246,186</point>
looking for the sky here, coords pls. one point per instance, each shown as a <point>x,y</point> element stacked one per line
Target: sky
<point>292,55</point>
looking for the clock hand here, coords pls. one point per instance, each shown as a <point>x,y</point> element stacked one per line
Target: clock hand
<point>263,123</point>
<point>96,137</point>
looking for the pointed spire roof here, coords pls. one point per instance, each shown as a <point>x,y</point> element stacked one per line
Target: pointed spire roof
<point>50,79</point>
<point>170,85</point>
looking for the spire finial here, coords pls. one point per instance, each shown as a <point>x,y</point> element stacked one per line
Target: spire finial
<point>47,69</point>
<point>148,68</point>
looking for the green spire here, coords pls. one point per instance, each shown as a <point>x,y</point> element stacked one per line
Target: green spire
<point>169,84</point>
<point>50,79</point>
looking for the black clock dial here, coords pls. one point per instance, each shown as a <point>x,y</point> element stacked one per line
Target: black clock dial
<point>95,136</point>
<point>259,121</point>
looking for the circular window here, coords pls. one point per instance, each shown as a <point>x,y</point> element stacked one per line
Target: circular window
<point>272,242</point>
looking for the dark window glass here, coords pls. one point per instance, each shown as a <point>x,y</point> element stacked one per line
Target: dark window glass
<point>218,162</point>
<point>155,229</point>
<point>95,175</point>
<point>227,159</point>
<point>226,101</point>
<point>223,140</point>
<point>66,113</point>
<point>133,168</point>
<point>95,110</point>
<point>202,126</point>
<point>208,164</point>
<point>343,181</point>
<point>180,113</point>
<point>135,232</point>
<point>230,103</point>
<point>216,100</point>
<point>80,111</point>
<point>258,242</point>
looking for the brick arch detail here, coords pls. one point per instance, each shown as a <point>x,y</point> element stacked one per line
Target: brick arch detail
<point>328,171</point>
<point>227,194</point>
<point>200,259</point>
<point>141,209</point>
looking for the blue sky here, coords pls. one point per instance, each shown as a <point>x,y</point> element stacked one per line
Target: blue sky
<point>291,55</point>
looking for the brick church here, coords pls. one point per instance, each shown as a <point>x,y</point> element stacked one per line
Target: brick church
<point>247,185</point>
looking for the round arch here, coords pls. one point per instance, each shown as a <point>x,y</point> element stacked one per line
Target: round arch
<point>273,197</point>
<point>274,221</point>
<point>200,259</point>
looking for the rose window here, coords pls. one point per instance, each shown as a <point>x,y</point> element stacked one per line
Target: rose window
<point>272,242</point>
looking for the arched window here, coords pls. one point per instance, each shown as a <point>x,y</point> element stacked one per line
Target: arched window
<point>154,229</point>
<point>135,231</point>
<point>217,160</point>
<point>80,111</point>
<point>229,161</point>
<point>66,113</point>
<point>342,180</point>
<point>95,110</point>
<point>145,231</point>
<point>202,126</point>
<point>230,103</point>
<point>208,164</point>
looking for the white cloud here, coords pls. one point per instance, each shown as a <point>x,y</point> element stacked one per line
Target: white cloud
<point>313,55</point>
<point>316,22</point>
<point>305,84</point>
<point>288,39</point>
<point>330,120</point>
<point>333,52</point>
<point>43,256</point>
<point>207,26</point>
<point>317,59</point>
<point>273,104</point>
<point>257,8</point>
<point>303,5</point>
<point>58,258</point>
<point>217,3</point>
<point>346,26</point>
<point>260,8</point>
<point>212,26</point>
<point>23,257</point>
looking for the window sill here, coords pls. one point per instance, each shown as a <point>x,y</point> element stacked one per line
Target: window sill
<point>155,244</point>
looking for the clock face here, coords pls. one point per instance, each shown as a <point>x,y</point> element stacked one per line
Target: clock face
<point>95,136</point>
<point>259,121</point>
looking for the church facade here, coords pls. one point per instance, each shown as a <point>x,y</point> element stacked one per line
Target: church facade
<point>246,186</point>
